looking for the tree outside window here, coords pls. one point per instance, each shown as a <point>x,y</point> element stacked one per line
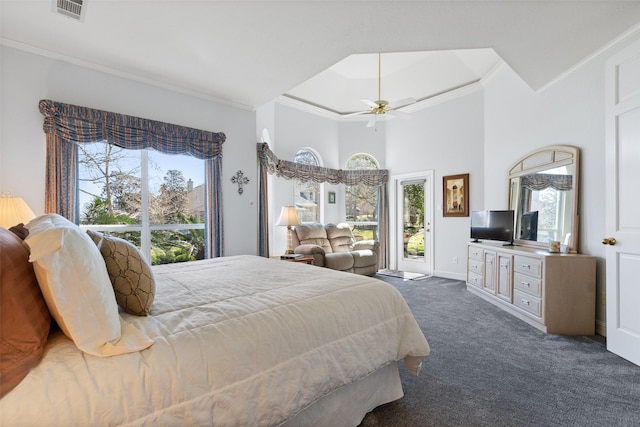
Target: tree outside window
<point>307,194</point>
<point>145,197</point>
<point>361,201</point>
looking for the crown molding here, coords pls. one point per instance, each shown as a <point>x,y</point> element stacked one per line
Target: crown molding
<point>439,98</point>
<point>129,76</point>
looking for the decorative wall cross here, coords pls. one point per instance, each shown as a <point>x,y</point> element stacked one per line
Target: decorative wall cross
<point>240,179</point>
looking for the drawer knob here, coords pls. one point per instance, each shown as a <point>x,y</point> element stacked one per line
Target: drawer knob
<point>526,266</point>
<point>526,285</point>
<point>524,301</point>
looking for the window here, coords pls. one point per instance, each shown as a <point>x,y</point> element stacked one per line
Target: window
<point>153,200</point>
<point>361,201</point>
<point>307,194</point>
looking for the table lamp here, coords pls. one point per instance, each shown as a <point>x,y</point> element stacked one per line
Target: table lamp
<point>13,211</point>
<point>289,217</point>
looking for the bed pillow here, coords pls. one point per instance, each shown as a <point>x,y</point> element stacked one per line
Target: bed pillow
<point>74,281</point>
<point>129,272</point>
<point>24,315</point>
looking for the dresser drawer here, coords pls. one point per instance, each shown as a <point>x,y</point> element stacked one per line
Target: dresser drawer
<point>476,266</point>
<point>528,284</point>
<point>476,253</point>
<point>527,265</point>
<point>474,279</point>
<point>527,303</point>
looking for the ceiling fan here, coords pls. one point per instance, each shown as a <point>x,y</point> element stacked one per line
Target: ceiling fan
<point>381,107</point>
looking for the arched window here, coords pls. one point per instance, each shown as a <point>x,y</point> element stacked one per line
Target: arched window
<point>361,201</point>
<point>307,194</point>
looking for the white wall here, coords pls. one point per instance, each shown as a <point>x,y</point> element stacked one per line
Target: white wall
<point>570,111</point>
<point>295,129</point>
<point>448,139</point>
<point>27,78</point>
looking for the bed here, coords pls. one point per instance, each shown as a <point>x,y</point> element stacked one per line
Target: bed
<point>236,341</point>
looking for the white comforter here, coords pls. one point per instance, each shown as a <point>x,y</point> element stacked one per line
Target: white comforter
<point>239,341</point>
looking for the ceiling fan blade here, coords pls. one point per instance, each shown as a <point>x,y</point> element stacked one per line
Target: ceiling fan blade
<point>372,122</point>
<point>370,103</point>
<point>357,113</point>
<point>402,103</point>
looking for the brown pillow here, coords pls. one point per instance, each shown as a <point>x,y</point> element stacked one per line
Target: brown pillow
<point>24,316</point>
<point>130,274</point>
<point>20,230</point>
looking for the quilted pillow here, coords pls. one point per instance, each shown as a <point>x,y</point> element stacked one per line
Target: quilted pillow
<point>24,315</point>
<point>129,272</point>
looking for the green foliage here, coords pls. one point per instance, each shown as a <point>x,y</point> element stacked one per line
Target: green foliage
<point>415,245</point>
<point>97,212</point>
<point>366,234</point>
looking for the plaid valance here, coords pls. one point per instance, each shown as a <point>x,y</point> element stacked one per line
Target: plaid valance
<point>291,170</point>
<point>540,181</point>
<point>72,123</point>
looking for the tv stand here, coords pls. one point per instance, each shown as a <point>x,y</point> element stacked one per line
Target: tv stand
<point>555,293</point>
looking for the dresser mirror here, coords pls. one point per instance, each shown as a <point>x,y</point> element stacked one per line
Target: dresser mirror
<point>543,193</point>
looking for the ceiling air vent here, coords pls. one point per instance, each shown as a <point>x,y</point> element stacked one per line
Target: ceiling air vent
<point>71,8</point>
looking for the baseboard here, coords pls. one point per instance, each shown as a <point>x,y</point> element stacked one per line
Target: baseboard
<point>450,275</point>
<point>601,328</point>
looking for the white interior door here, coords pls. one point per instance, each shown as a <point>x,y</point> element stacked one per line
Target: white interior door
<point>623,204</point>
<point>413,230</point>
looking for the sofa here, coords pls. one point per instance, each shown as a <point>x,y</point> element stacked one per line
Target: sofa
<point>334,246</point>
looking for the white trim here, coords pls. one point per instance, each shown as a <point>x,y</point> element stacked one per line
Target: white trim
<point>449,95</point>
<point>449,275</point>
<point>393,217</point>
<point>117,73</point>
<point>306,107</point>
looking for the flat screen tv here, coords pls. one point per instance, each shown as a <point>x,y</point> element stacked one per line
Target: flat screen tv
<point>492,225</point>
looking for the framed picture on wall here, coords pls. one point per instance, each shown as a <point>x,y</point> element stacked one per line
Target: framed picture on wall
<point>332,197</point>
<point>455,194</point>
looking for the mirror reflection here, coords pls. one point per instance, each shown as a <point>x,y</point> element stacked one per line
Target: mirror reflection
<point>543,196</point>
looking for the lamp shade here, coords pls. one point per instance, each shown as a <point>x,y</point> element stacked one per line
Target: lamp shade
<point>288,216</point>
<point>13,211</point>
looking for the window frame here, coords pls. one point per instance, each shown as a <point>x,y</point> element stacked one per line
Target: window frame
<point>319,186</point>
<point>365,224</point>
<point>145,227</point>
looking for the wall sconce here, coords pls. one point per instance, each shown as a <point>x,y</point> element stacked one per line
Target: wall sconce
<point>289,217</point>
<point>13,211</point>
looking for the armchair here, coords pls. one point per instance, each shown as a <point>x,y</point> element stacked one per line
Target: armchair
<point>334,246</point>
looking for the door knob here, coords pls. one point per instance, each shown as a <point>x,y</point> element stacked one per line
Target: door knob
<point>609,241</point>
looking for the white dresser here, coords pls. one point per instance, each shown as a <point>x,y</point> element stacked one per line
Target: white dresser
<point>556,293</point>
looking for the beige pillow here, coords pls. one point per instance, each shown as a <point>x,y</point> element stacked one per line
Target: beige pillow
<point>129,272</point>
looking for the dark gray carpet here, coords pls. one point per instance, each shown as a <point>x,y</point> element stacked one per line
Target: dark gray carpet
<point>488,368</point>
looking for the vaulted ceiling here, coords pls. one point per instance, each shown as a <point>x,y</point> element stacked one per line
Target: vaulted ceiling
<point>247,53</point>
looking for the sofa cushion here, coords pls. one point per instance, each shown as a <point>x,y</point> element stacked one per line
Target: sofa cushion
<point>342,261</point>
<point>340,237</point>
<point>364,258</point>
<point>313,234</point>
